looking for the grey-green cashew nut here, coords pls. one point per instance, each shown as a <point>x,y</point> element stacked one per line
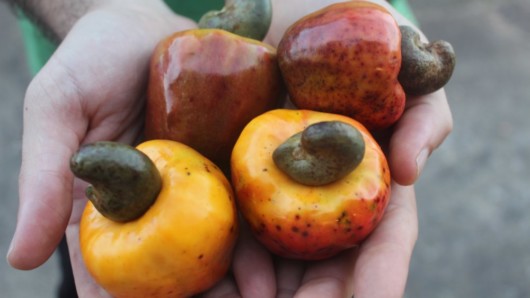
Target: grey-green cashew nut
<point>321,154</point>
<point>248,18</point>
<point>124,181</point>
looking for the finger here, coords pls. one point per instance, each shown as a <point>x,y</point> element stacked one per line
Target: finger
<point>330,277</point>
<point>426,123</point>
<point>253,267</point>
<point>86,286</point>
<point>226,288</point>
<point>381,269</point>
<point>289,275</point>
<point>50,137</point>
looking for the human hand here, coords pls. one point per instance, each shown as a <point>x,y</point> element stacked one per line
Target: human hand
<point>379,266</point>
<point>91,89</point>
<point>79,98</point>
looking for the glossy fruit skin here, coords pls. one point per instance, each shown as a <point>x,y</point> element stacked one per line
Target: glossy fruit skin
<point>303,222</point>
<point>181,246</point>
<point>205,85</point>
<point>345,59</point>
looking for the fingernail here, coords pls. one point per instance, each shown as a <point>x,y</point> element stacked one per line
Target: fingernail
<point>421,159</point>
<point>9,251</point>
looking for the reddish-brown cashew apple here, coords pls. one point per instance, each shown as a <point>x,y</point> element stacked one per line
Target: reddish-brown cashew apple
<point>345,59</point>
<point>206,84</point>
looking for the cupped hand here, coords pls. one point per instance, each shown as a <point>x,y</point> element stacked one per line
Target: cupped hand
<point>379,266</point>
<point>91,89</point>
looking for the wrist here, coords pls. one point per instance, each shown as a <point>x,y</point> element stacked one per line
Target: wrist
<point>53,17</point>
<point>56,18</point>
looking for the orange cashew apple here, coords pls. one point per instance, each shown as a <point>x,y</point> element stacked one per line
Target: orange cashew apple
<point>310,184</point>
<point>161,220</point>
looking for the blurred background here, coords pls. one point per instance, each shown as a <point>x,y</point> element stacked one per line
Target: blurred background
<point>14,77</point>
<point>473,198</point>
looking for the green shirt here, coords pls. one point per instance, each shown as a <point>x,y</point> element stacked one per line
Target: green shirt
<point>39,48</point>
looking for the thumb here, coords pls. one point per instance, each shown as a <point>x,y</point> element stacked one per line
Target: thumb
<point>424,126</point>
<point>51,134</point>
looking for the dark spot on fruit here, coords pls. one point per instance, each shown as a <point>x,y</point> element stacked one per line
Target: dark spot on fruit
<point>295,229</point>
<point>200,256</point>
<point>305,234</point>
<point>278,228</point>
<point>343,219</point>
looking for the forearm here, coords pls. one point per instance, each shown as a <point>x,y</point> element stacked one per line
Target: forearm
<point>54,17</point>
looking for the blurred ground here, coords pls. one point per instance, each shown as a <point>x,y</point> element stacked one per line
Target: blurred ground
<point>473,196</point>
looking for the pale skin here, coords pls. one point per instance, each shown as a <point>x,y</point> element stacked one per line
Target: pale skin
<point>92,89</point>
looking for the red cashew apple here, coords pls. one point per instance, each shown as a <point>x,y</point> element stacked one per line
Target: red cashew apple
<point>345,59</point>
